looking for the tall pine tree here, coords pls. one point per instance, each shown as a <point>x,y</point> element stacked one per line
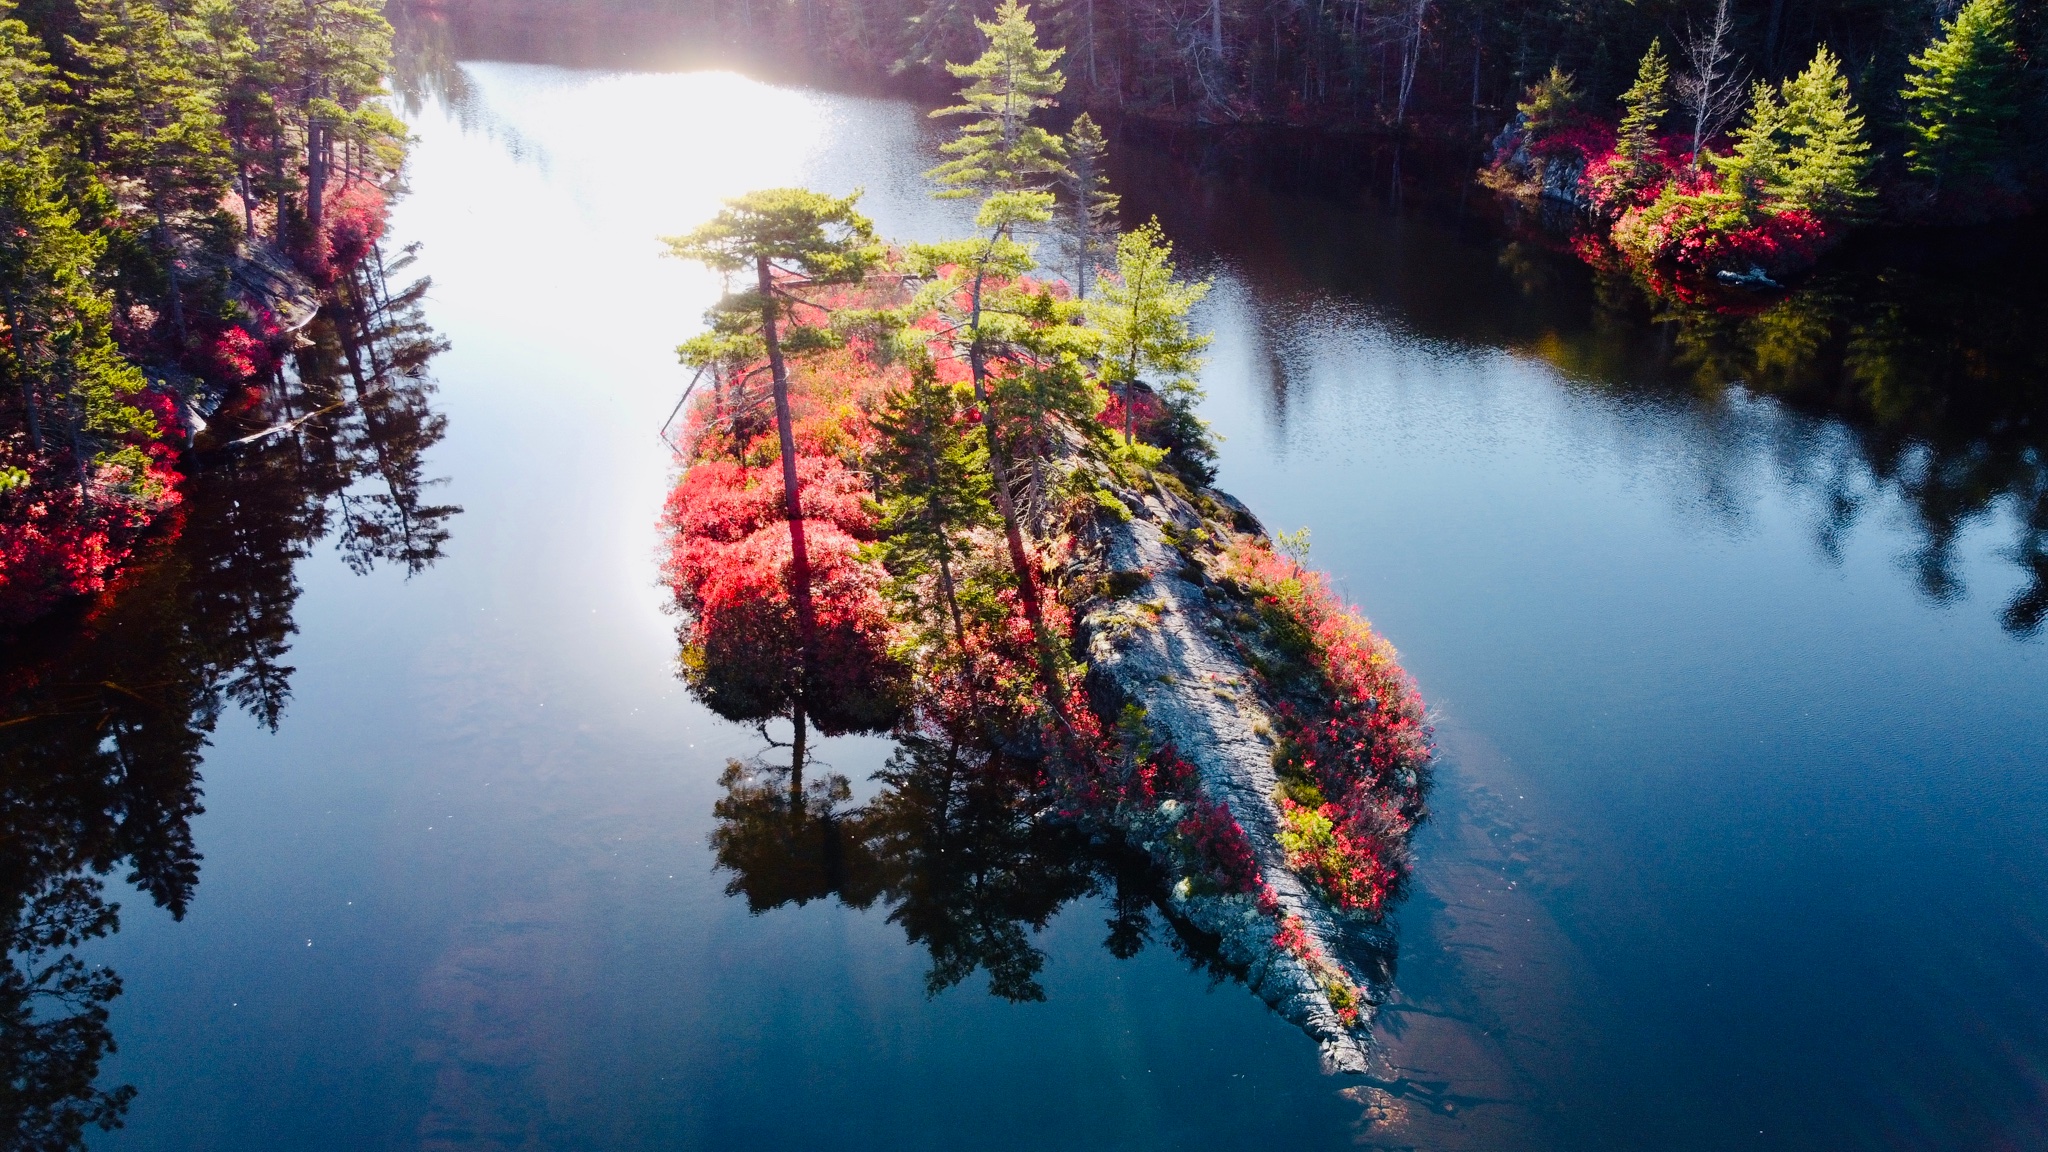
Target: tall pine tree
<point>1962,94</point>
<point>1148,344</point>
<point>1091,207</point>
<point>1634,169</point>
<point>791,241</point>
<point>1001,156</point>
<point>1827,158</point>
<point>151,128</point>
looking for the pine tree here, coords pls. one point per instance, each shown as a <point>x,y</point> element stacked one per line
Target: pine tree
<point>934,487</point>
<point>1147,342</point>
<point>1091,206</point>
<point>1644,106</point>
<point>1802,146</point>
<point>330,57</point>
<point>1757,169</point>
<point>59,352</point>
<point>150,124</point>
<point>792,240</point>
<point>1827,158</point>
<point>1635,167</point>
<point>1001,156</point>
<point>998,149</point>
<point>1550,103</point>
<point>243,79</point>
<point>1962,94</point>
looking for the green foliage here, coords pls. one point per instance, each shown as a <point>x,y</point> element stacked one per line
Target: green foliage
<point>934,489</point>
<point>148,118</point>
<point>998,149</point>
<point>1091,207</point>
<point>821,238</point>
<point>59,354</point>
<point>1143,316</point>
<point>1802,146</point>
<point>1644,106</point>
<point>796,239</point>
<point>1756,169</point>
<point>1827,156</point>
<point>1550,103</point>
<point>1962,94</point>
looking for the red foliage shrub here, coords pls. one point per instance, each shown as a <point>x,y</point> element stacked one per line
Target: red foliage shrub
<point>355,222</point>
<point>742,651</point>
<point>1218,842</point>
<point>235,356</point>
<point>1146,410</point>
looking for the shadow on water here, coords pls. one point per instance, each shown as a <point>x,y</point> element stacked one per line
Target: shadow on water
<point>110,706</point>
<point>1919,346</point>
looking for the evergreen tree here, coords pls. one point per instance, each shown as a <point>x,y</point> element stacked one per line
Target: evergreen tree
<point>998,149</point>
<point>1962,94</point>
<point>1633,171</point>
<point>935,488</point>
<point>1001,156</point>
<point>1550,103</point>
<point>244,83</point>
<point>1802,146</point>
<point>329,57</point>
<point>1644,106</point>
<point>59,352</point>
<point>1091,206</point>
<point>1827,158</point>
<point>1756,170</point>
<point>792,240</point>
<point>1147,342</point>
<point>150,125</point>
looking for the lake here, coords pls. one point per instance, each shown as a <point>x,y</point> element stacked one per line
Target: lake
<point>1730,626</point>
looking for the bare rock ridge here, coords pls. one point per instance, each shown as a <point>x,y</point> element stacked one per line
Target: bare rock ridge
<point>1154,638</point>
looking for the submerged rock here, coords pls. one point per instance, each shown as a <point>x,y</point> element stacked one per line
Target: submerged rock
<point>1156,638</point>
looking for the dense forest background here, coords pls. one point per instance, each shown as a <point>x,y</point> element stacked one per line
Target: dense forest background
<point>1437,67</point>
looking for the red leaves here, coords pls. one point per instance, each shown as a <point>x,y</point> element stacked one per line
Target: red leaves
<point>1219,842</point>
<point>355,222</point>
<point>729,565</point>
<point>742,649</point>
<point>234,356</point>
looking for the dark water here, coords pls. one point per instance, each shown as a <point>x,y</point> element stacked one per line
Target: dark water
<point>1738,837</point>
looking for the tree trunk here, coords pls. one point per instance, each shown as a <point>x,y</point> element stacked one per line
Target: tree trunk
<point>792,502</point>
<point>952,601</point>
<point>163,237</point>
<point>316,179</point>
<point>796,755</point>
<point>28,391</point>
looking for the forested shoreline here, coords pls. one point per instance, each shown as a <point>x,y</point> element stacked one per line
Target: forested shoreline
<point>186,186</point>
<point>1449,68</point>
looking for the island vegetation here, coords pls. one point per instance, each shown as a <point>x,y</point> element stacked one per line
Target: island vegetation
<point>930,491</point>
<point>183,187</point>
<point>1702,180</point>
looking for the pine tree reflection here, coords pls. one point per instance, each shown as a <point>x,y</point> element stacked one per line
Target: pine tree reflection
<point>960,846</point>
<point>1931,356</point>
<point>109,707</point>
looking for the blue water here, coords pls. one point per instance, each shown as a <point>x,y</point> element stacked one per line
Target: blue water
<point>1738,828</point>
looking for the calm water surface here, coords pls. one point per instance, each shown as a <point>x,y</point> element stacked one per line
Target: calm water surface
<point>1739,834</point>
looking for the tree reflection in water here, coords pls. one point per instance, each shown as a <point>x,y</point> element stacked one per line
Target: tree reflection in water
<point>1940,374</point>
<point>109,707</point>
<point>1918,349</point>
<point>961,845</point>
